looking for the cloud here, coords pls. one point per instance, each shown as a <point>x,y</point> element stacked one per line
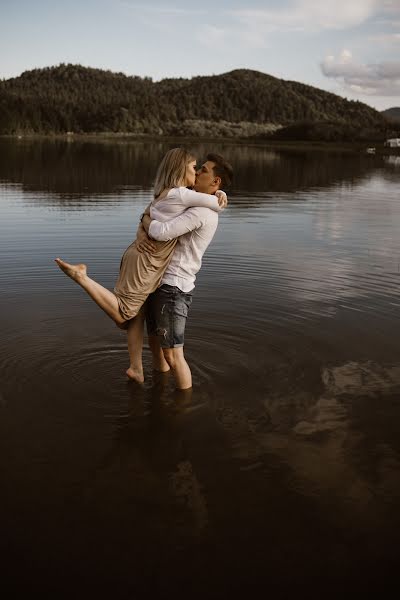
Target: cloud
<point>311,15</point>
<point>212,36</point>
<point>391,6</point>
<point>162,10</point>
<point>375,79</point>
<point>250,27</point>
<point>387,39</point>
<point>230,37</point>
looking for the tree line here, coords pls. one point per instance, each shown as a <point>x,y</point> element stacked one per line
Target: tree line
<point>242,103</point>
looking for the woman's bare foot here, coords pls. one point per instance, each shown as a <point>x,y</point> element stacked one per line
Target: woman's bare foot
<point>162,368</point>
<point>135,375</point>
<point>76,272</point>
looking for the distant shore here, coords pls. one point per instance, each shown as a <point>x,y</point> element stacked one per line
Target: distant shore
<point>379,149</point>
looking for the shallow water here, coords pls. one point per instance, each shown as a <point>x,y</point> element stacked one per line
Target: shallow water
<point>282,468</point>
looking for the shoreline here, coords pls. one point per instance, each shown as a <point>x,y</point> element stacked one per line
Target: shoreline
<point>356,147</point>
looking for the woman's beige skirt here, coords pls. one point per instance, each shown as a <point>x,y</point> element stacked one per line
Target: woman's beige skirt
<point>140,274</point>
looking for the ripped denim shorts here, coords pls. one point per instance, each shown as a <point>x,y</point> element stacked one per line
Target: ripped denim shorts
<point>166,312</point>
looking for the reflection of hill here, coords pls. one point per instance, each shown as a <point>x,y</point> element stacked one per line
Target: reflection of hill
<point>85,168</point>
<point>295,170</point>
<point>81,168</point>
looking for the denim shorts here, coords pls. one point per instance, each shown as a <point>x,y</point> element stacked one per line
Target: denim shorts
<point>166,313</point>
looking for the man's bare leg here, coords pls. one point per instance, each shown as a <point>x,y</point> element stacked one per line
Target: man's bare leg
<point>159,362</point>
<point>180,369</point>
<point>101,295</point>
<point>135,347</point>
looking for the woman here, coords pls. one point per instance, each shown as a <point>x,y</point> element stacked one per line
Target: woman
<point>141,272</point>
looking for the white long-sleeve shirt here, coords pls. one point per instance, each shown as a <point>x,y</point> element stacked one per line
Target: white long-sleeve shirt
<point>195,228</point>
<point>178,200</point>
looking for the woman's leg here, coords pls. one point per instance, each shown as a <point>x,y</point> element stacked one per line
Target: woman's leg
<point>103,297</point>
<point>135,347</point>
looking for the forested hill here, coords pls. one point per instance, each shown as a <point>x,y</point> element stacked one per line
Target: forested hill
<point>72,98</point>
<point>393,114</point>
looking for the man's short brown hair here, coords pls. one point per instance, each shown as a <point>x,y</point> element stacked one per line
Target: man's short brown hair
<point>221,169</point>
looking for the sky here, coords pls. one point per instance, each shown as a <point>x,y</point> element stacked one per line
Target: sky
<point>349,47</point>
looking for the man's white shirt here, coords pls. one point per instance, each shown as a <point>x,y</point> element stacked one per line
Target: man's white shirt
<point>195,229</point>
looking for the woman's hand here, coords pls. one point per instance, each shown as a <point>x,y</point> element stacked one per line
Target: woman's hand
<point>222,198</point>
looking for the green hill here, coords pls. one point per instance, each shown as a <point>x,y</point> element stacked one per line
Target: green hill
<point>72,98</point>
<point>393,114</point>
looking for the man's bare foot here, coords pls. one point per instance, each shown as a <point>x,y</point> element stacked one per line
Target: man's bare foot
<point>76,272</point>
<point>135,375</point>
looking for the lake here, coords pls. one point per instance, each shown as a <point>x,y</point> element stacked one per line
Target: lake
<point>281,471</point>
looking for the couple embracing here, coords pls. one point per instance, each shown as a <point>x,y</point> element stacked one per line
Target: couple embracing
<point>158,270</point>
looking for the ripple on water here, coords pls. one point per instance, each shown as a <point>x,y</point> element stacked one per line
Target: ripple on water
<point>210,358</point>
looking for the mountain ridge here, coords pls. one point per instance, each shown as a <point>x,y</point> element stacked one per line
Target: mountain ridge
<point>241,102</point>
<point>393,114</point>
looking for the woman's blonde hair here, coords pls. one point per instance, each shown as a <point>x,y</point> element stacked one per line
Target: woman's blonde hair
<point>172,170</point>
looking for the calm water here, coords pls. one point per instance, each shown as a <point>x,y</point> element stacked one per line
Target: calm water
<point>281,471</point>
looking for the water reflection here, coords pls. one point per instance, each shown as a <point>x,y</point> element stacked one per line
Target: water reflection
<point>289,442</point>
<point>191,468</point>
<point>89,168</point>
<point>392,161</point>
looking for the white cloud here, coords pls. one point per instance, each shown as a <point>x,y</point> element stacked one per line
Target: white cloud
<point>311,15</point>
<point>230,37</point>
<point>386,39</point>
<point>162,10</point>
<point>391,6</point>
<point>212,36</point>
<point>380,79</point>
<point>250,27</point>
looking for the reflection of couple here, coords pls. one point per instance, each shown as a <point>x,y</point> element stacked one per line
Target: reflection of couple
<point>161,267</point>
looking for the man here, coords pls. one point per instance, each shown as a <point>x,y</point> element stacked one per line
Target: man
<point>167,308</point>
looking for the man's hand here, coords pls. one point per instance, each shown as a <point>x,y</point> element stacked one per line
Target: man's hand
<point>222,198</point>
